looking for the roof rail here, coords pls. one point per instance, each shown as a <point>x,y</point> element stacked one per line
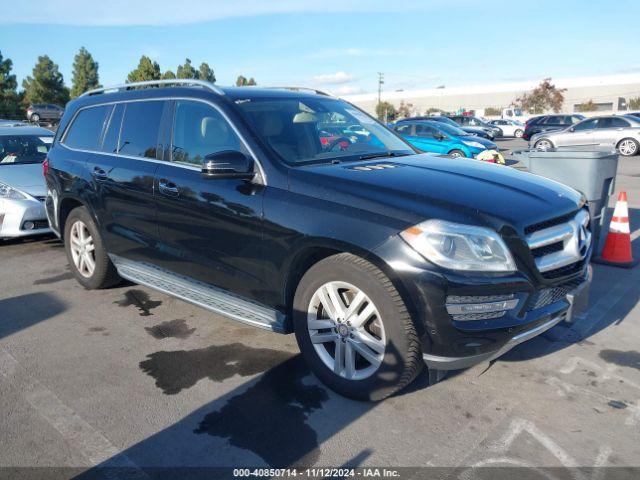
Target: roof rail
<point>156,83</point>
<point>303,89</point>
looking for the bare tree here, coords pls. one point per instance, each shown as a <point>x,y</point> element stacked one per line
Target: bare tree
<point>545,96</point>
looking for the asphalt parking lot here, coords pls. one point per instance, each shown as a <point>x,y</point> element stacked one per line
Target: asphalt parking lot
<point>128,377</point>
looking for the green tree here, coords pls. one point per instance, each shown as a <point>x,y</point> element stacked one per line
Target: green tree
<point>386,112</point>
<point>634,103</point>
<point>404,110</point>
<point>9,99</point>
<point>168,75</point>
<point>545,96</point>
<point>206,73</point>
<point>242,81</point>
<point>85,73</point>
<point>589,106</point>
<point>186,70</point>
<point>46,85</point>
<point>146,70</point>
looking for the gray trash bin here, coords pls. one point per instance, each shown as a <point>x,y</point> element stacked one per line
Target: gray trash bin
<point>591,172</point>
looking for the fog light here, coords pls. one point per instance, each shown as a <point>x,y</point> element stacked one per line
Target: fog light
<point>28,226</point>
<point>479,307</point>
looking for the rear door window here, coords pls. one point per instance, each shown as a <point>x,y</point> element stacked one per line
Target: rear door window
<point>404,129</point>
<point>86,130</point>
<point>140,128</point>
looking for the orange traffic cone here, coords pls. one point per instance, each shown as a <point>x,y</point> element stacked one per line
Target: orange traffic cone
<point>617,246</point>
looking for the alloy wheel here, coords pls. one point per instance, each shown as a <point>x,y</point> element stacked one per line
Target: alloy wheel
<point>628,147</point>
<point>544,145</point>
<point>346,330</point>
<point>82,249</point>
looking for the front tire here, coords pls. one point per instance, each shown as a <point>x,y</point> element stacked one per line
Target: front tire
<point>88,259</point>
<point>627,147</point>
<point>353,329</point>
<point>543,145</point>
<point>456,153</point>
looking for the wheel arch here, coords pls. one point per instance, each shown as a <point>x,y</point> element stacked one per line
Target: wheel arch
<point>65,207</point>
<point>312,254</point>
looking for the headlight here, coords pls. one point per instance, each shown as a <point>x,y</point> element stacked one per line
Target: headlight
<point>460,247</point>
<point>8,192</point>
<point>474,144</point>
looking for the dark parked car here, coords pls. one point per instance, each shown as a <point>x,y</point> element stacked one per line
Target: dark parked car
<point>378,258</point>
<point>48,112</point>
<point>546,123</point>
<point>470,121</point>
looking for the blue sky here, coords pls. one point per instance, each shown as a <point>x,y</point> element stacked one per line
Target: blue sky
<point>337,45</point>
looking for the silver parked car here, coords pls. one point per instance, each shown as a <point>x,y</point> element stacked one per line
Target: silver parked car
<point>621,133</point>
<point>22,186</point>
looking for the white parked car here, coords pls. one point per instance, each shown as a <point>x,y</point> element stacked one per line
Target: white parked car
<point>22,185</point>
<point>510,128</point>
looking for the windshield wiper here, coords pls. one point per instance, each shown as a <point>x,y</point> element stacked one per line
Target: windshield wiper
<point>368,156</point>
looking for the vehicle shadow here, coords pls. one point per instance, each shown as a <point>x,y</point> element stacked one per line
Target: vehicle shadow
<point>23,311</point>
<point>277,419</point>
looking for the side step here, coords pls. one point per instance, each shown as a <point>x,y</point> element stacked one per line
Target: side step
<point>201,294</point>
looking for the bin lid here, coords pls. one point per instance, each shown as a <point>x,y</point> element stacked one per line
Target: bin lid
<point>568,152</point>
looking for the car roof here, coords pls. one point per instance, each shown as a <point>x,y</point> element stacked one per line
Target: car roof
<point>25,130</point>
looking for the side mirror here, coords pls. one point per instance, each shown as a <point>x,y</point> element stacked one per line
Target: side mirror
<point>440,136</point>
<point>572,129</point>
<point>228,164</point>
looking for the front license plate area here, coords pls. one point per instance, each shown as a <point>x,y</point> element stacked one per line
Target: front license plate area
<point>578,302</point>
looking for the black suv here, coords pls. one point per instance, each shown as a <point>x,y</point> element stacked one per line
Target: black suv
<point>546,123</point>
<point>378,258</point>
<point>465,121</point>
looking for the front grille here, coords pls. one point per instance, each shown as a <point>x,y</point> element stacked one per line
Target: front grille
<point>548,296</point>
<point>559,246</point>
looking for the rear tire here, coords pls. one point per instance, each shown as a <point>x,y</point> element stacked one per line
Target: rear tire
<point>627,147</point>
<point>35,118</point>
<point>456,153</point>
<point>88,259</point>
<point>518,133</point>
<point>355,315</point>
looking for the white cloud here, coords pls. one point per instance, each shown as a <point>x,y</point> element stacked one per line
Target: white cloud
<point>333,78</point>
<point>170,12</point>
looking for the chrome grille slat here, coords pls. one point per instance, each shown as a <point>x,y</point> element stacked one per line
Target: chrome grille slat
<point>570,241</point>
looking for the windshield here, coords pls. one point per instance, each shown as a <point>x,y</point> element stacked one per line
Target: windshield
<point>451,130</point>
<point>304,130</point>
<point>21,149</point>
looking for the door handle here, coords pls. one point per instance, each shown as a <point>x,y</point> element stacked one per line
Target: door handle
<point>99,174</point>
<point>168,188</point>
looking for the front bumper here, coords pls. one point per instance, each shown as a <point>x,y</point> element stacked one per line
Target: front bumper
<point>452,341</point>
<point>16,216</point>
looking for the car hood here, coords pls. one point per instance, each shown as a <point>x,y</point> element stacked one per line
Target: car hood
<point>26,178</point>
<point>473,130</point>
<point>485,142</point>
<point>419,187</point>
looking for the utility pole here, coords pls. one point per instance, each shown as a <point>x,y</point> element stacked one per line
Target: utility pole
<point>380,83</point>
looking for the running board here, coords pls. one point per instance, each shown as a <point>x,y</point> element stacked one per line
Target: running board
<point>201,294</point>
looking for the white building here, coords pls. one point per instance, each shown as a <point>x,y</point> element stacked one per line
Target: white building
<point>610,93</point>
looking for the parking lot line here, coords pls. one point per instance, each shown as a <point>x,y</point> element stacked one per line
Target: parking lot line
<point>79,434</point>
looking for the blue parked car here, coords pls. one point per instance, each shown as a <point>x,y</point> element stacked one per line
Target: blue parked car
<point>437,137</point>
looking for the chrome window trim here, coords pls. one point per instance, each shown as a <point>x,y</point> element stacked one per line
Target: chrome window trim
<point>115,102</point>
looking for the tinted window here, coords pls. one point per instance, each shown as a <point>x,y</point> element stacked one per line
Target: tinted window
<point>140,128</point>
<point>110,142</point>
<point>426,131</point>
<point>404,129</point>
<point>200,130</point>
<point>618,123</point>
<point>586,125</point>
<point>86,129</point>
